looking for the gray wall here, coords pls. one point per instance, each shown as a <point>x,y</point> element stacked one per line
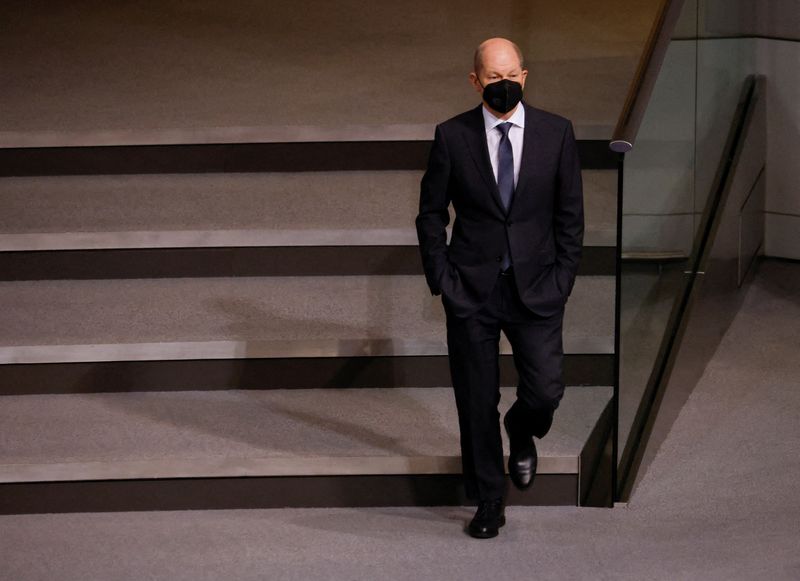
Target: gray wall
<point>670,172</point>
<point>776,49</point>
<point>767,18</point>
<point>779,60</point>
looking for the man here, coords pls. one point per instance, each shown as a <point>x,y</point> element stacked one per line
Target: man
<point>513,176</point>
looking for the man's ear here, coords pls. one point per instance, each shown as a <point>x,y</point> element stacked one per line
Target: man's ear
<point>473,78</point>
<point>524,76</point>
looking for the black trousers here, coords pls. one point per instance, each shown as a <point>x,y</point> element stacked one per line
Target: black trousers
<point>473,348</point>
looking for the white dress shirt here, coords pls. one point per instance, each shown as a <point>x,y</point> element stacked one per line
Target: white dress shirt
<point>515,136</point>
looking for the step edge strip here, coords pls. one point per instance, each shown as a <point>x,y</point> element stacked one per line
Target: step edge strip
<point>242,467</point>
<point>247,134</point>
<point>270,349</point>
<point>145,239</point>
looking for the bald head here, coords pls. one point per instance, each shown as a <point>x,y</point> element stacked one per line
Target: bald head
<point>496,50</point>
<point>497,59</point>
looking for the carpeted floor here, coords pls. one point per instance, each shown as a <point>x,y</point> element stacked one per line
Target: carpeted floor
<point>155,65</point>
<point>258,308</point>
<point>306,201</point>
<point>719,501</point>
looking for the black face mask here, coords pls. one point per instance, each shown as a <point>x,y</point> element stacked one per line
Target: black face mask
<point>502,96</point>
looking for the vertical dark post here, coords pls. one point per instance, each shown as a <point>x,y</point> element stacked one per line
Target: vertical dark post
<point>617,326</point>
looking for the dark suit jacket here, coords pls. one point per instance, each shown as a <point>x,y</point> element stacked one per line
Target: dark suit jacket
<point>544,224</point>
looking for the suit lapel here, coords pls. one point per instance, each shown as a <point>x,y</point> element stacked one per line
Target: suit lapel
<point>528,155</point>
<point>475,138</point>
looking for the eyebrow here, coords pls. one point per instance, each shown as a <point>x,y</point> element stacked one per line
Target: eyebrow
<point>514,71</point>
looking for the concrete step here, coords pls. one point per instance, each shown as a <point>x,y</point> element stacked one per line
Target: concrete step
<point>347,208</point>
<point>278,437</point>
<point>309,63</point>
<point>252,317</point>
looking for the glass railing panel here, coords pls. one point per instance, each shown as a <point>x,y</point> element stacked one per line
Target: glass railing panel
<point>657,223</point>
<point>669,178</point>
<point>659,170</point>
<point>722,66</point>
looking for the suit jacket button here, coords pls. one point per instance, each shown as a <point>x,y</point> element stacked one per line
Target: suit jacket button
<point>499,259</point>
<point>509,222</point>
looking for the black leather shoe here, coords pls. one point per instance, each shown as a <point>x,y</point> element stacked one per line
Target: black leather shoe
<point>488,519</point>
<point>522,458</point>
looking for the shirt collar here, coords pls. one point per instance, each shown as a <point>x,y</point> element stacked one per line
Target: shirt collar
<point>490,121</point>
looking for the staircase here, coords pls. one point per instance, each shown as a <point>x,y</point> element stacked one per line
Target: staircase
<point>237,318</point>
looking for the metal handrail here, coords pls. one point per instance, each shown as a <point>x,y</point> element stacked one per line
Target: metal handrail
<point>644,80</point>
